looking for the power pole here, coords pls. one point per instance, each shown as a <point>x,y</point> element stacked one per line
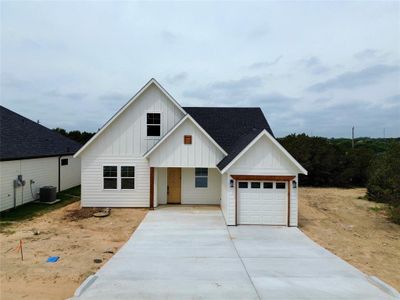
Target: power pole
<point>352,137</point>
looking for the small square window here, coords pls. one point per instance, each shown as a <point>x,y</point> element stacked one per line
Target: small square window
<point>64,162</point>
<point>280,185</point>
<point>256,185</point>
<point>243,185</point>
<point>187,139</point>
<point>268,185</point>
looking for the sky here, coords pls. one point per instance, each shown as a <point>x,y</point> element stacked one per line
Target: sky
<point>313,67</point>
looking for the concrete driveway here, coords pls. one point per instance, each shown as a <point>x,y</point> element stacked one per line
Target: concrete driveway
<point>187,252</point>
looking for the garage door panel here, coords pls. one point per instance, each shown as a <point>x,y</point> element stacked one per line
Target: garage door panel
<point>262,206</point>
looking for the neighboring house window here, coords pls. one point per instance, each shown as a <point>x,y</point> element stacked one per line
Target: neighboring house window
<point>110,177</point>
<point>255,185</point>
<point>153,124</point>
<point>268,185</point>
<point>280,185</point>
<point>127,177</point>
<point>64,162</point>
<point>201,177</point>
<point>243,185</point>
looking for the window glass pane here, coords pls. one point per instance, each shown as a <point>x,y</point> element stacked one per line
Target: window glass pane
<point>153,118</point>
<point>243,185</point>
<point>255,185</point>
<point>268,185</point>
<point>110,183</point>
<point>201,182</point>
<point>280,185</point>
<point>127,183</point>
<point>201,172</point>
<point>110,171</point>
<point>64,162</point>
<point>153,130</point>
<point>127,171</point>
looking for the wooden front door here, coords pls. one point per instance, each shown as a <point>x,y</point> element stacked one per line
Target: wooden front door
<point>174,186</point>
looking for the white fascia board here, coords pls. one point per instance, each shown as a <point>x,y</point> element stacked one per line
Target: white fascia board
<point>123,108</point>
<point>187,117</point>
<point>276,143</point>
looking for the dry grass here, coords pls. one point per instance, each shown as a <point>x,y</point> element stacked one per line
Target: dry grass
<point>354,229</point>
<point>68,232</point>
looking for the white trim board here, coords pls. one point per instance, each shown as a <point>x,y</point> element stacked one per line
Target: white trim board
<point>123,108</point>
<point>275,142</point>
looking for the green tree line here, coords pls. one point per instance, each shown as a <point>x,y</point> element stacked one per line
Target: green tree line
<point>371,163</point>
<point>79,136</point>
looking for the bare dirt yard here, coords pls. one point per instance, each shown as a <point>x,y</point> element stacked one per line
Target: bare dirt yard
<point>354,229</point>
<point>70,233</point>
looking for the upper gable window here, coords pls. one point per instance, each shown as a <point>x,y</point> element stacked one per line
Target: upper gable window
<point>153,124</point>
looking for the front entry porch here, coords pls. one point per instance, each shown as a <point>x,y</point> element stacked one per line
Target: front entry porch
<point>185,186</point>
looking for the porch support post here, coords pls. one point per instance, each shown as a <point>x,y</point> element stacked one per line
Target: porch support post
<point>151,188</point>
<point>288,212</point>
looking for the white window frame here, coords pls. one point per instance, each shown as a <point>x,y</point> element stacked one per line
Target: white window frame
<point>200,176</point>
<point>102,176</point>
<point>153,136</point>
<point>120,176</point>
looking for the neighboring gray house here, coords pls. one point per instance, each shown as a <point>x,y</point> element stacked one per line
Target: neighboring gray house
<point>33,156</point>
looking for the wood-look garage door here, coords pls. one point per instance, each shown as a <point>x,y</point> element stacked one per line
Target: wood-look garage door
<point>262,203</point>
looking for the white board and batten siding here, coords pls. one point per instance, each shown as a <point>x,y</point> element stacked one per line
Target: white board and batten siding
<point>124,142</point>
<point>43,171</point>
<point>202,153</point>
<point>263,158</point>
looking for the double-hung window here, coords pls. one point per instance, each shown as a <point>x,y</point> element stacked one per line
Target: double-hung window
<point>127,177</point>
<point>153,124</point>
<point>201,177</point>
<point>110,177</point>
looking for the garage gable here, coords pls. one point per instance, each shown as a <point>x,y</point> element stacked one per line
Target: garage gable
<point>264,156</point>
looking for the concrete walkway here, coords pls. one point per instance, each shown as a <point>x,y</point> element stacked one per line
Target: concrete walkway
<point>187,252</point>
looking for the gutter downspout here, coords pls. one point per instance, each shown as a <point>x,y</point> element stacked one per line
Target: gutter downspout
<point>59,174</point>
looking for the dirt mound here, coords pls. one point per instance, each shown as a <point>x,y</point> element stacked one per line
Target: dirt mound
<point>81,213</point>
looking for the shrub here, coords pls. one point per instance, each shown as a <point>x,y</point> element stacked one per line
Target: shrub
<point>384,177</point>
<point>394,214</point>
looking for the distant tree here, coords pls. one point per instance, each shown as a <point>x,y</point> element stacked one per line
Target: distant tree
<point>76,135</point>
<point>384,176</point>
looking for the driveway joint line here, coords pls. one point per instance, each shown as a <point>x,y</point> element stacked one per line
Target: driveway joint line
<point>241,261</point>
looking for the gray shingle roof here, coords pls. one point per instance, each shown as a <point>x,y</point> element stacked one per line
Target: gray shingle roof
<point>22,138</point>
<point>233,128</point>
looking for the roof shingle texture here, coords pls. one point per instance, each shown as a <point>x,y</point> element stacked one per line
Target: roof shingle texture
<point>233,128</point>
<point>22,138</point>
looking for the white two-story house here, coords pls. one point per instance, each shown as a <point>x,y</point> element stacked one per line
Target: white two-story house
<point>154,152</point>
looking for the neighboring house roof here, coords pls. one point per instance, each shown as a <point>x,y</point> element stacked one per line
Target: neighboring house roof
<point>21,138</point>
<point>123,108</point>
<point>233,128</point>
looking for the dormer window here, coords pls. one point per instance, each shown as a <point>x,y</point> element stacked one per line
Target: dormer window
<point>153,124</point>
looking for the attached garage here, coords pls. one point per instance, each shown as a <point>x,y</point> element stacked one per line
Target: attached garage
<point>262,202</point>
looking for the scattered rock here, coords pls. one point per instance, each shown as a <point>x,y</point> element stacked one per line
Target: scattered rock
<point>103,213</point>
<point>36,231</point>
<point>97,260</point>
<point>109,252</point>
